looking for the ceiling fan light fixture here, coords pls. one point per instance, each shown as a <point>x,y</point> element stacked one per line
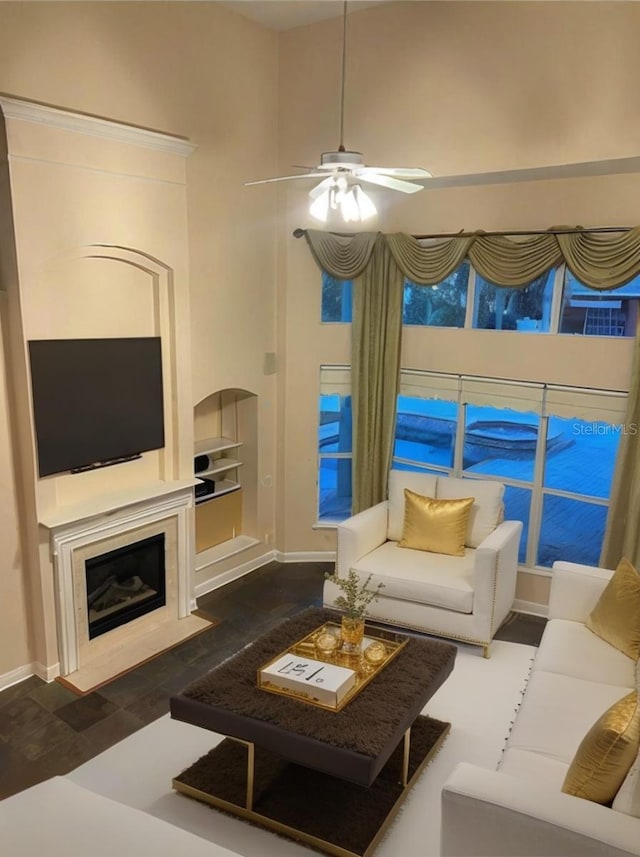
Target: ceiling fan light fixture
<point>365,203</point>
<point>352,204</point>
<point>343,171</point>
<point>319,208</point>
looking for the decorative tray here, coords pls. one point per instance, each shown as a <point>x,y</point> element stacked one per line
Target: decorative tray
<point>329,680</point>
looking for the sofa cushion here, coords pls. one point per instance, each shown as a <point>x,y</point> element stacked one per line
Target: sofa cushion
<point>486,512</point>
<point>606,752</point>
<point>616,616</point>
<point>557,712</point>
<point>534,768</point>
<point>421,483</point>
<point>433,525</point>
<point>571,649</point>
<point>428,578</point>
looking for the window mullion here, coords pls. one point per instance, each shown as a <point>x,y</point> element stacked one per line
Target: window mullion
<point>556,301</point>
<point>535,511</point>
<point>469,319</point>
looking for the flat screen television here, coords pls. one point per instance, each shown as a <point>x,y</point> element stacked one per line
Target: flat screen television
<point>95,401</point>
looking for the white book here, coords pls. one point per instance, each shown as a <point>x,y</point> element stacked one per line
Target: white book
<point>326,683</point>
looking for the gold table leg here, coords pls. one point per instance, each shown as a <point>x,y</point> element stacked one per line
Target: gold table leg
<point>405,757</point>
<point>251,758</point>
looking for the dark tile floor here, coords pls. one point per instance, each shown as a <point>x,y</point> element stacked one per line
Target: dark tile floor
<point>46,729</point>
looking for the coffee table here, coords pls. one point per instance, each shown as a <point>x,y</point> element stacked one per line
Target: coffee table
<point>332,779</point>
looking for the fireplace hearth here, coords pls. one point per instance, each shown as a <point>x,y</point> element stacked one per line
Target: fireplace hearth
<point>125,583</point>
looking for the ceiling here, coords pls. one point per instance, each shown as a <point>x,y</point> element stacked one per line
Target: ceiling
<point>287,14</point>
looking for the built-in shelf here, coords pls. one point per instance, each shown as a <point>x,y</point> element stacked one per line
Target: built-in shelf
<point>223,486</point>
<point>224,550</point>
<point>220,465</point>
<point>214,445</point>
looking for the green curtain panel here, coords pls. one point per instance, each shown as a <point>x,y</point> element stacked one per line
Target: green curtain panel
<point>375,371</point>
<point>622,534</point>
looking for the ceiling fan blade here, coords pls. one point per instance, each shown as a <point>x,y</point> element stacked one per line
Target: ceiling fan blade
<point>398,172</point>
<point>288,178</point>
<point>319,189</point>
<point>391,183</point>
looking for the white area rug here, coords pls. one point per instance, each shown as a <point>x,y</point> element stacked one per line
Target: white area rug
<point>479,699</point>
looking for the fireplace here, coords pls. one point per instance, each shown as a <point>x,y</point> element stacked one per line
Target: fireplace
<point>125,583</point>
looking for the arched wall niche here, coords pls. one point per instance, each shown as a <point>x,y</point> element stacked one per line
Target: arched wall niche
<point>229,415</point>
<point>116,273</point>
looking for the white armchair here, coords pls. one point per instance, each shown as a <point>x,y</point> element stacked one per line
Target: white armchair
<point>461,598</point>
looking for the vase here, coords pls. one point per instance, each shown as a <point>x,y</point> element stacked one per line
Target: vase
<point>352,634</point>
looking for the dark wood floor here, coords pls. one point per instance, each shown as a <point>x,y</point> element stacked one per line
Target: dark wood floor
<point>46,729</point>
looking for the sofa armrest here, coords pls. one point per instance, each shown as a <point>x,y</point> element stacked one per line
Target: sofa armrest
<point>359,535</point>
<point>489,814</point>
<point>575,590</point>
<point>496,571</point>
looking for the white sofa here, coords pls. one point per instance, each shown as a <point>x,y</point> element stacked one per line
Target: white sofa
<point>58,818</point>
<point>520,809</point>
<point>462,598</point>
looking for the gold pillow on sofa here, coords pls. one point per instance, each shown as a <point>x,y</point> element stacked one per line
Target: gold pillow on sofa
<point>606,753</point>
<point>616,616</point>
<point>439,526</point>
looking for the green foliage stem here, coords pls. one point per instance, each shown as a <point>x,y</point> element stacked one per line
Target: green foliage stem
<point>355,597</point>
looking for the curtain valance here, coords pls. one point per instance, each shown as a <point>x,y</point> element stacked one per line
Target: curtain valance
<point>343,257</point>
<point>599,261</point>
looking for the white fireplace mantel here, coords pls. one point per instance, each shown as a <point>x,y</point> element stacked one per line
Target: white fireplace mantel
<point>69,534</point>
<point>107,503</point>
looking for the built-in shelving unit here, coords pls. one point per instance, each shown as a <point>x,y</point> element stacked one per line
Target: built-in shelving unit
<point>225,468</point>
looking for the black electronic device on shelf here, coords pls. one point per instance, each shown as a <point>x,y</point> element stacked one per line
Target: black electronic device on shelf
<point>205,488</point>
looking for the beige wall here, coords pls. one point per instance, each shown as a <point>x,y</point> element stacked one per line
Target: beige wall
<point>191,69</point>
<point>456,88</point>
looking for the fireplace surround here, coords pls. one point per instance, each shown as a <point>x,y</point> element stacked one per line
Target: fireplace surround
<point>158,526</point>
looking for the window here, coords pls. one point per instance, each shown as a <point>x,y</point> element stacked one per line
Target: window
<point>555,302</point>
<point>554,448</point>
<point>527,308</point>
<point>336,299</point>
<point>426,420</point>
<point>442,305</point>
<point>595,313</point>
<point>334,444</point>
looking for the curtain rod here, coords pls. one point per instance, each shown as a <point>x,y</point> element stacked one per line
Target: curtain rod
<point>300,233</point>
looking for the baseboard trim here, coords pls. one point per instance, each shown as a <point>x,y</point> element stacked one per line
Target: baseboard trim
<point>21,673</point>
<point>219,580</point>
<point>305,556</point>
<point>531,607</point>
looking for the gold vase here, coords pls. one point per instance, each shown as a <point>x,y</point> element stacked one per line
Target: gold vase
<point>352,634</point>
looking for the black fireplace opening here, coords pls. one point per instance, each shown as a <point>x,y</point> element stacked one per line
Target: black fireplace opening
<point>124,584</point>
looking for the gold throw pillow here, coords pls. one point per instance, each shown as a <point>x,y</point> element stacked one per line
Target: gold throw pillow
<point>606,753</point>
<point>439,526</point>
<point>616,616</point>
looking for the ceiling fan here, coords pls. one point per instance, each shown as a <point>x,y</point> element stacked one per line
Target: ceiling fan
<point>342,172</point>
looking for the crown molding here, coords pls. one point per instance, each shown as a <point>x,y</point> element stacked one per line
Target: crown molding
<point>81,123</point>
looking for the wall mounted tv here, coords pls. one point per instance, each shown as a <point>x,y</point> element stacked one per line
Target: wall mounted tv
<point>95,401</point>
